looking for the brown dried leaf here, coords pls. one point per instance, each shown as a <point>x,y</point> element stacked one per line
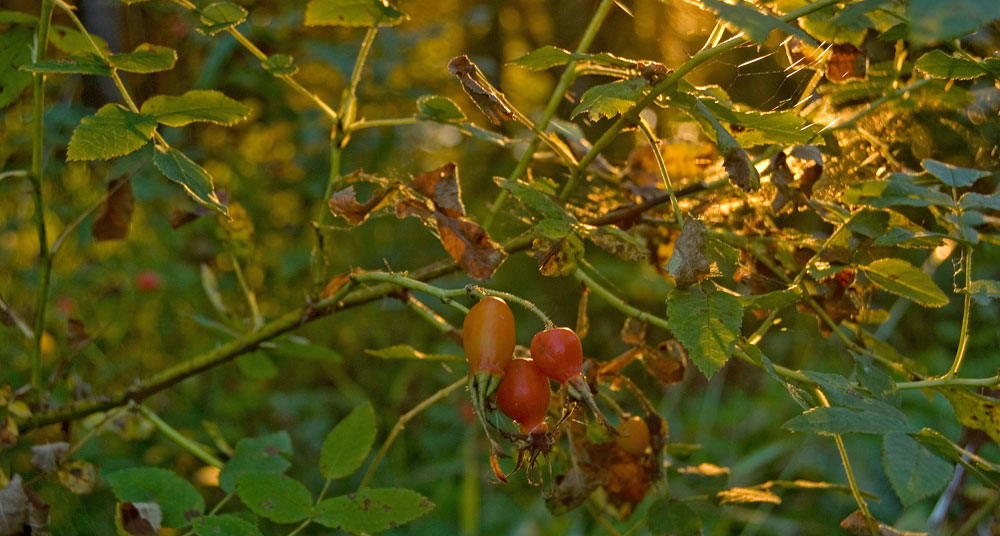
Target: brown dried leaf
<point>557,256</point>
<point>470,246</point>
<point>8,432</point>
<point>46,458</point>
<point>688,264</point>
<point>78,476</point>
<point>487,98</point>
<point>115,213</point>
<point>442,187</point>
<point>38,514</point>
<point>139,519</point>
<point>737,164</point>
<point>343,203</point>
<point>667,362</point>
<point>856,524</point>
<point>623,476</point>
<point>846,62</point>
<point>571,490</point>
<point>76,334</point>
<point>335,283</point>
<point>633,332</point>
<point>14,507</point>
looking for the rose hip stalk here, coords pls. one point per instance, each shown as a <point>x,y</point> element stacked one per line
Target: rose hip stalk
<point>488,337</point>
<point>559,355</point>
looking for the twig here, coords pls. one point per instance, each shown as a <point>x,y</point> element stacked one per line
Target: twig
<point>191,446</point>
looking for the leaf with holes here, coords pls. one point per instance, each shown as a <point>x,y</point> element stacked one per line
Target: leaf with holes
<point>274,496</point>
<point>348,444</point>
<point>175,495</point>
<point>904,279</point>
<point>371,510</point>
<point>195,105</point>
<point>707,323</point>
<point>112,131</point>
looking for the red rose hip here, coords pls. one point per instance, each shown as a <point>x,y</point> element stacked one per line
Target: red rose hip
<point>523,395</point>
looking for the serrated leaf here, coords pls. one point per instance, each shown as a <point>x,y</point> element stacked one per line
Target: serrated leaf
<point>150,484</point>
<point>762,128</point>
<point>112,131</point>
<point>940,65</point>
<point>755,24</point>
<point>146,58</point>
<point>348,444</point>
<point>371,510</point>
<point>256,366</point>
<point>544,58</point>
<point>224,525</point>
<point>405,351</point>
<point>899,236</point>
<point>440,109</point>
<point>195,105</point>
<point>836,420</point>
<point>280,65</point>
<point>611,99</point>
<point>913,471</point>
<point>15,51</point>
<point>533,198</point>
<point>953,175</point>
<point>671,517</point>
<point>352,13</point>
<point>192,177</point>
<point>91,64</point>
<point>256,454</point>
<point>972,201</point>
<point>615,241</point>
<point>776,299</point>
<point>977,465</point>
<point>900,190</point>
<point>274,496</point>
<point>904,279</point>
<point>706,323</point>
<point>219,16</point>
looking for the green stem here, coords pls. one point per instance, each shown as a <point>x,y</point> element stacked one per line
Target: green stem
<point>251,298</point>
<point>852,482</point>
<point>567,77</point>
<point>187,444</point>
<point>430,316</point>
<point>963,340</point>
<point>473,289</point>
<point>445,295</point>
<point>655,146</point>
<point>334,181</point>
<point>992,381</point>
<point>631,116</point>
<point>349,105</point>
<point>375,123</point>
<point>617,302</point>
<point>401,423</point>
<point>37,147</point>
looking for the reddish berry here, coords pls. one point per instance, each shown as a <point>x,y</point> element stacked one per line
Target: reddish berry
<point>523,394</point>
<point>558,353</point>
<point>148,281</point>
<point>633,435</point>
<point>488,336</point>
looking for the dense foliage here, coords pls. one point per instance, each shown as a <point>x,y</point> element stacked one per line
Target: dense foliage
<point>238,236</point>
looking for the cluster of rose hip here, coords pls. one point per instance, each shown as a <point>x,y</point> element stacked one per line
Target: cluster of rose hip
<point>521,385</point>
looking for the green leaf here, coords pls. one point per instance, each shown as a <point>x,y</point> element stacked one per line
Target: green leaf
<point>352,13</point>
<point>348,444</point>
<point>274,496</point>
<point>195,105</point>
<point>256,366</point>
<point>219,16</point>
<point>256,454</point>
<point>91,64</point>
<point>15,51</point>
<point>405,351</point>
<point>112,131</point>
<point>300,349</point>
<point>440,109</point>
<point>974,410</point>
<point>900,190</point>
<point>17,17</point>
<point>146,58</point>
<point>952,175</point>
<point>544,58</point>
<point>371,510</point>
<point>984,290</point>
<point>876,380</point>
<point>755,24</point>
<point>706,323</point>
<point>615,241</point>
<point>175,495</point>
<point>71,41</point>
<point>976,464</point>
<point>763,128</point>
<point>900,236</point>
<point>195,180</point>
<point>776,299</point>
<point>972,201</point>
<point>672,517</point>
<point>611,99</point>
<point>940,65</point>
<point>533,198</point>
<point>740,168</point>
<point>280,65</point>
<point>934,20</point>
<point>904,279</point>
<point>798,394</point>
<point>836,420</point>
<point>224,525</point>
<point>913,471</point>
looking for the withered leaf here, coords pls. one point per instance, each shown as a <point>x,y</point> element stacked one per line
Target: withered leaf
<point>46,458</point>
<point>624,477</point>
<point>343,203</point>
<point>470,246</point>
<point>78,476</point>
<point>633,332</point>
<point>846,62</point>
<point>557,256</point>
<point>688,264</point>
<point>441,186</point>
<point>76,334</point>
<point>571,490</point>
<point>667,362</point>
<point>13,507</point>
<point>335,283</point>
<point>487,98</point>
<point>737,164</point>
<point>115,214</point>
<point>38,514</point>
<point>8,432</point>
<point>140,519</point>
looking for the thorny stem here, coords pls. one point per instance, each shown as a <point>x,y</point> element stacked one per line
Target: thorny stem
<point>631,116</point>
<point>477,290</point>
<point>567,77</point>
<point>187,444</point>
<point>963,340</point>
<point>855,490</point>
<point>401,423</point>
<point>37,146</point>
<point>655,146</point>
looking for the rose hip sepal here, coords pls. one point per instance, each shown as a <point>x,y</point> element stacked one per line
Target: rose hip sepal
<point>488,337</point>
<point>558,354</point>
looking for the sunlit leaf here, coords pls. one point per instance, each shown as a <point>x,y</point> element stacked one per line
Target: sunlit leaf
<point>192,177</point>
<point>906,280</point>
<point>112,131</point>
<point>953,175</point>
<point>195,105</point>
<point>940,65</point>
<point>747,495</point>
<point>352,13</point>
<point>707,323</point>
<point>146,58</point>
<point>441,109</point>
<point>544,58</point>
<point>611,99</point>
<point>754,23</point>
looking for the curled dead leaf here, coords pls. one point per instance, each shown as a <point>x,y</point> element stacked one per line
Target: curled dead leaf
<point>487,98</point>
<point>114,215</point>
<point>688,264</point>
